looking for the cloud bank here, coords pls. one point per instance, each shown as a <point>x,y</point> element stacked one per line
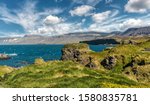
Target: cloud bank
<point>138,6</point>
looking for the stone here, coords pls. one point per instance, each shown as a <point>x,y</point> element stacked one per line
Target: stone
<point>78,54</point>
<point>109,62</point>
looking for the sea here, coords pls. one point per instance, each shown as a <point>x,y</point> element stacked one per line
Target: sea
<point>22,55</point>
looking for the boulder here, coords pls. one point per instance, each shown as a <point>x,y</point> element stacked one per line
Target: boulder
<point>109,62</point>
<point>4,57</point>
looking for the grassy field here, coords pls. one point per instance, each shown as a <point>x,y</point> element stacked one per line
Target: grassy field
<point>59,74</point>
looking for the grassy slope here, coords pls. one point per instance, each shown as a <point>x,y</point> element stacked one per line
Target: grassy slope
<point>4,70</point>
<point>70,74</point>
<point>65,74</point>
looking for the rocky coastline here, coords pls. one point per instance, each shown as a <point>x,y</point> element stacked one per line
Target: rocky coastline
<point>126,65</point>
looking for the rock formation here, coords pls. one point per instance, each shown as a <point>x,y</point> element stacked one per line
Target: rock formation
<point>109,62</point>
<point>78,53</point>
<point>4,57</point>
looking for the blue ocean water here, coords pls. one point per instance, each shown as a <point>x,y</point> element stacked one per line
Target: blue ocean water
<point>26,54</point>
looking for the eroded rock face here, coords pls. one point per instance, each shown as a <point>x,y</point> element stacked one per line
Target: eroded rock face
<point>91,63</point>
<point>109,62</point>
<point>78,54</point>
<point>74,55</point>
<point>139,73</point>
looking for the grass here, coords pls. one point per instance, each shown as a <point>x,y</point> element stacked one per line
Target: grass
<point>5,69</point>
<point>65,74</point>
<point>70,74</point>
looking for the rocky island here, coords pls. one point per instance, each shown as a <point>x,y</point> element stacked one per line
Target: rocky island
<point>4,57</point>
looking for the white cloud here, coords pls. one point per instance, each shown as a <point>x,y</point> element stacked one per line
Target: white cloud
<point>52,11</point>
<point>27,16</point>
<point>114,13</point>
<point>96,27</point>
<point>83,10</point>
<point>50,20</point>
<point>137,6</point>
<point>58,29</point>
<point>83,20</point>
<point>37,23</point>
<point>131,23</point>
<point>100,17</point>
<point>87,2</point>
<point>10,34</point>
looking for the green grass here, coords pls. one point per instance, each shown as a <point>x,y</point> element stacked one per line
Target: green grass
<point>5,69</point>
<point>65,74</point>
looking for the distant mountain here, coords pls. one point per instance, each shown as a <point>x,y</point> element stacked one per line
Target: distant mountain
<point>94,33</point>
<point>37,39</point>
<point>137,31</point>
<point>88,33</point>
<point>73,37</point>
<point>61,39</point>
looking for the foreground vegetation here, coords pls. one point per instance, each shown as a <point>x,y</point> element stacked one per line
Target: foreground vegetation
<point>126,65</point>
<point>64,74</point>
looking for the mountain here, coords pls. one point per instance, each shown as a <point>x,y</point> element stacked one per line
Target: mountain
<point>74,37</point>
<point>136,31</point>
<point>93,33</point>
<point>61,39</point>
<point>37,39</point>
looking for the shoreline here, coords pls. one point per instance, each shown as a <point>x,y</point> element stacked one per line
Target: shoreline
<point>52,59</point>
<point>122,66</point>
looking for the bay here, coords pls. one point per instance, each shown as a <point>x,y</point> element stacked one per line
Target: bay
<point>23,55</point>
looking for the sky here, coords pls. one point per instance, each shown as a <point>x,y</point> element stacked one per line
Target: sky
<point>58,17</point>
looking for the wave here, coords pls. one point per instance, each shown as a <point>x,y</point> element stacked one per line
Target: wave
<point>12,54</point>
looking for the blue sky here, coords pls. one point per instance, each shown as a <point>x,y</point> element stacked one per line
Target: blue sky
<point>57,17</point>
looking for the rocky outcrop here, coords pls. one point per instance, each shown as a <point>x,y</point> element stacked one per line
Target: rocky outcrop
<point>71,52</point>
<point>129,59</point>
<point>109,62</point>
<point>78,53</point>
<point>138,73</point>
<point>4,57</point>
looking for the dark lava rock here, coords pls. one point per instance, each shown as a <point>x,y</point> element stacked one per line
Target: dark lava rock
<point>76,53</point>
<point>109,62</point>
<point>91,64</point>
<point>72,54</point>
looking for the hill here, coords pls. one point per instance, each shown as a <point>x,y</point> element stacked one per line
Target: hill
<point>137,31</point>
<point>76,37</point>
<point>37,39</point>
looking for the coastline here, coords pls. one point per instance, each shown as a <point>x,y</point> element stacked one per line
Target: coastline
<point>120,63</point>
